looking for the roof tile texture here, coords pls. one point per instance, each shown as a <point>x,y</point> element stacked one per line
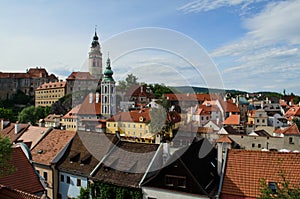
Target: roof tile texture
<point>245,168</point>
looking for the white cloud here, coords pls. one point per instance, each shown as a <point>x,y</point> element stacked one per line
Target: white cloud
<point>207,5</point>
<point>268,52</point>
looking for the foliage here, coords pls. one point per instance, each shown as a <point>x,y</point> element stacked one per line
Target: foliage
<point>128,82</point>
<point>32,114</point>
<point>159,89</point>
<point>284,189</point>
<point>7,113</point>
<point>62,106</point>
<point>297,122</point>
<point>5,156</point>
<point>84,193</point>
<point>109,191</point>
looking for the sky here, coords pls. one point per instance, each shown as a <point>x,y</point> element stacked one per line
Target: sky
<point>248,45</point>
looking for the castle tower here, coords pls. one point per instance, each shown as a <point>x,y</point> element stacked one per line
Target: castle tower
<point>95,58</point>
<point>108,92</point>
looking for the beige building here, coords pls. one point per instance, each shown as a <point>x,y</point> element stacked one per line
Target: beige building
<point>46,154</point>
<point>48,93</point>
<point>27,82</point>
<point>69,120</point>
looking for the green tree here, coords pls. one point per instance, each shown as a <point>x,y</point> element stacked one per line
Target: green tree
<point>282,189</point>
<point>128,82</point>
<point>32,114</point>
<point>5,156</point>
<point>84,193</point>
<point>7,114</point>
<point>159,89</point>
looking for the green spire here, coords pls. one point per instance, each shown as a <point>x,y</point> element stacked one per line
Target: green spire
<point>108,72</point>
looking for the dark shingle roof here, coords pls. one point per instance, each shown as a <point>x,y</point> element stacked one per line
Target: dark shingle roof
<point>85,152</point>
<point>126,164</point>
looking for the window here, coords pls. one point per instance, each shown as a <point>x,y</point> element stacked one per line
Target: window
<point>257,120</point>
<point>291,140</point>
<point>259,145</point>
<point>68,180</point>
<point>62,178</point>
<point>176,181</point>
<point>169,181</point>
<point>78,182</point>
<point>273,186</point>
<point>45,175</point>
<point>253,145</point>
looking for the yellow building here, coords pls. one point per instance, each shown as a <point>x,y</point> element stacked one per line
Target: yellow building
<point>69,120</point>
<point>132,125</point>
<point>135,125</point>
<point>49,93</point>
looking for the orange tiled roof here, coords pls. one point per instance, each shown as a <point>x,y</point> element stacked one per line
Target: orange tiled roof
<point>88,108</point>
<point>73,112</point>
<point>224,138</point>
<point>293,111</point>
<point>9,131</point>
<point>9,193</point>
<point>232,120</point>
<point>81,76</point>
<point>245,168</point>
<point>291,130</point>
<point>49,147</point>
<point>24,178</point>
<point>188,97</point>
<point>33,135</point>
<point>52,85</point>
<point>132,116</point>
<point>231,107</point>
<point>32,73</point>
<point>206,110</point>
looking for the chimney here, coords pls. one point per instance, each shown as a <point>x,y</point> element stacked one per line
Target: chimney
<point>141,89</point>
<point>91,98</point>
<point>2,125</point>
<point>166,152</point>
<point>97,97</point>
<point>17,127</point>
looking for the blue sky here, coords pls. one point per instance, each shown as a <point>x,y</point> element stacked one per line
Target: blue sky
<point>253,45</point>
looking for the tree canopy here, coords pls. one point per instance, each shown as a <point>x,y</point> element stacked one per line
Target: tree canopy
<point>5,156</point>
<point>33,114</point>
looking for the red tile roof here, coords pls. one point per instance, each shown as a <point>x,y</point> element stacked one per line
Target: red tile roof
<point>232,120</point>
<point>9,193</point>
<point>138,91</point>
<point>73,112</point>
<point>224,138</point>
<point>32,73</point>
<point>189,97</point>
<point>9,131</point>
<point>50,146</point>
<point>81,76</point>
<point>132,116</point>
<point>52,85</point>
<point>206,109</point>
<point>245,168</point>
<point>291,130</point>
<point>24,178</point>
<point>88,108</point>
<point>293,111</point>
<point>231,107</point>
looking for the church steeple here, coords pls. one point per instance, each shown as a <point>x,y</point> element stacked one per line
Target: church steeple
<point>95,58</point>
<point>108,73</point>
<point>108,92</point>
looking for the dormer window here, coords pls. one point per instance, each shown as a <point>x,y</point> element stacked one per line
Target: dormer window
<point>273,187</point>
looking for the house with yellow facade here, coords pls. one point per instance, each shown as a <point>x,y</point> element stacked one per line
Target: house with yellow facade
<point>69,120</point>
<point>135,125</point>
<point>48,93</point>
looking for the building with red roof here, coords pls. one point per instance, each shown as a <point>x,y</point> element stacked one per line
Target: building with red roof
<point>27,82</point>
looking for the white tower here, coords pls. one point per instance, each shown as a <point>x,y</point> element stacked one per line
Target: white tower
<point>95,58</point>
<point>108,92</point>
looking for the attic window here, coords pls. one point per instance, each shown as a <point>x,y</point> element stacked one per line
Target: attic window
<point>40,151</point>
<point>273,187</point>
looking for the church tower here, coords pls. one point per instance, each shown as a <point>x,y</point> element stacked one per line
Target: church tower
<point>95,58</point>
<point>108,92</point>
